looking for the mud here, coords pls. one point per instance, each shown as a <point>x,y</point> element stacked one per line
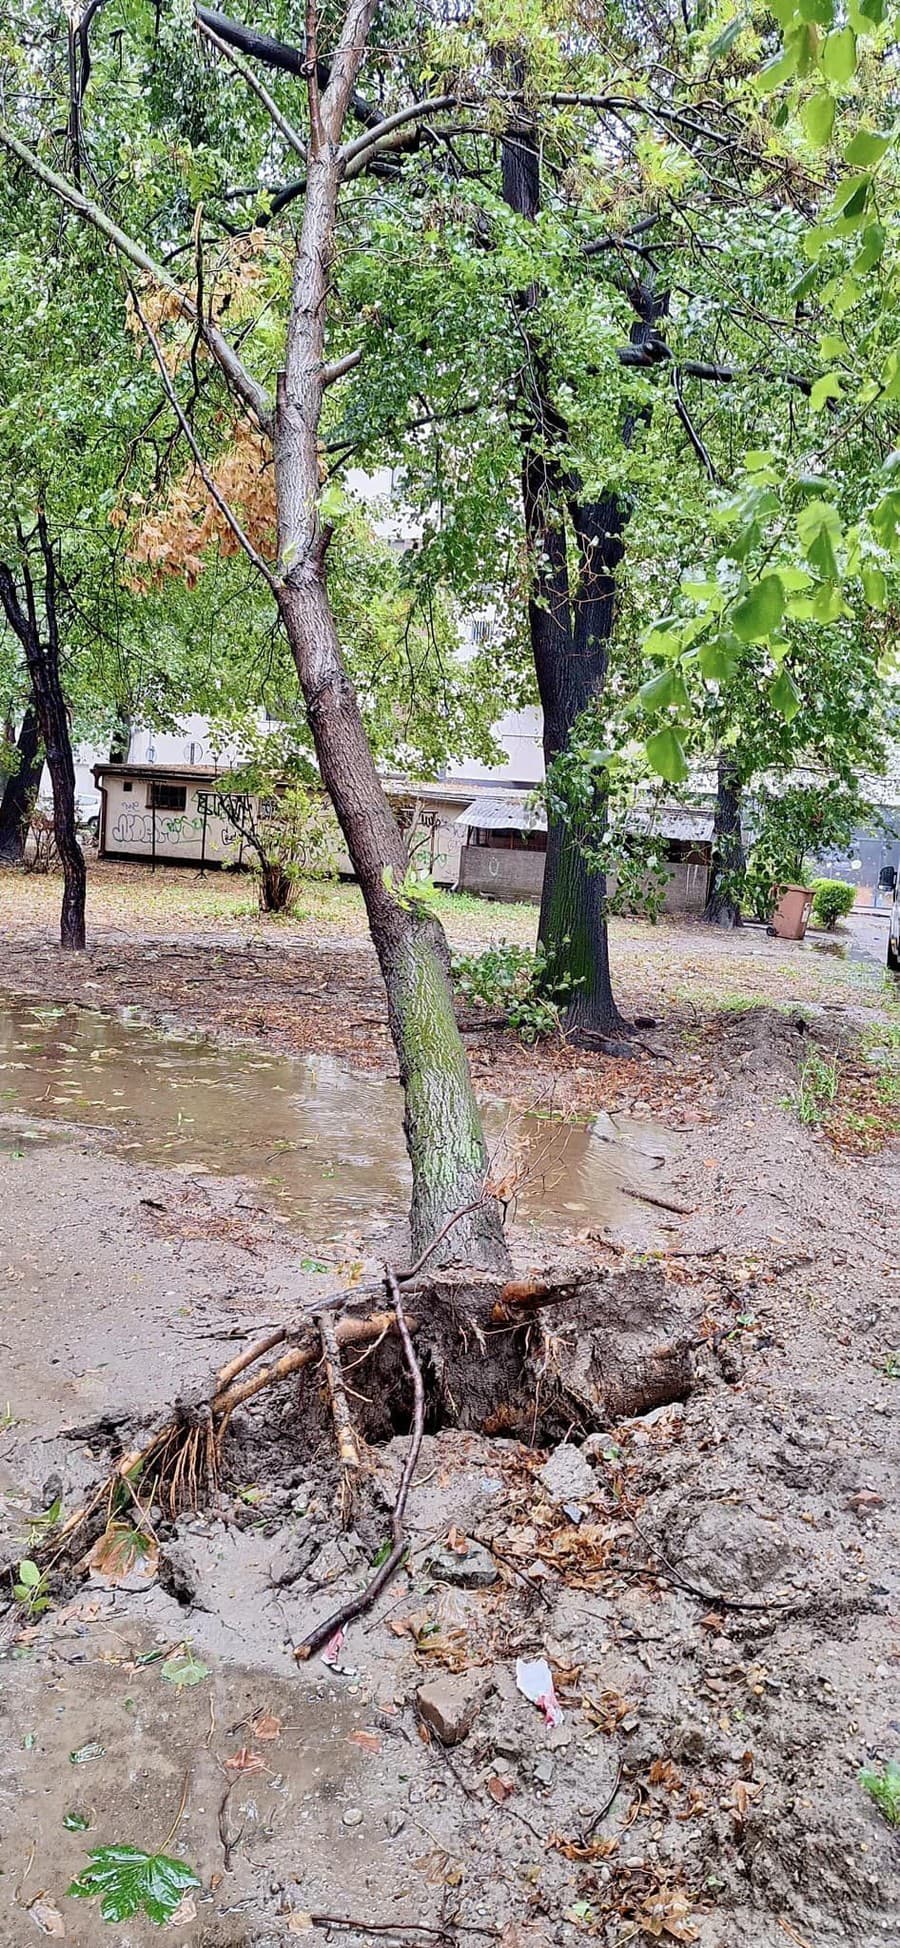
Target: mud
<point>719,1609</point>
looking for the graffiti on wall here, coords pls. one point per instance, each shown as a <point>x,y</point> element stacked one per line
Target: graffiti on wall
<point>132,828</point>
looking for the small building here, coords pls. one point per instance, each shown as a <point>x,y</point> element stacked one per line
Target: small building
<point>173,814</point>
<point>506,846</point>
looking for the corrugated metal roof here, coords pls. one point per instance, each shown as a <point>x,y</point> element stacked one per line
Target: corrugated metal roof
<point>509,812</point>
<point>512,812</point>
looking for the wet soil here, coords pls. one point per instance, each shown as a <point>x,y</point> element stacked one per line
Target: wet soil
<point>718,1593</point>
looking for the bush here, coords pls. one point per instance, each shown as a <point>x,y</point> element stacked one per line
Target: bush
<point>833,898</point>
<point>514,981</point>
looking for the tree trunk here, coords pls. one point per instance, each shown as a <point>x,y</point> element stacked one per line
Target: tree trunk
<point>569,642</point>
<point>442,1124</point>
<point>120,740</point>
<point>42,659</point>
<point>21,790</point>
<point>722,903</point>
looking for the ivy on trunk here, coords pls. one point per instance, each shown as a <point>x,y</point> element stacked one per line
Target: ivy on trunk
<point>21,790</point>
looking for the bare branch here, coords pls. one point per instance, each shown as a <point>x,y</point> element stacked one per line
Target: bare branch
<point>291,135</point>
<point>375,136</point>
<point>340,367</point>
<point>209,483</point>
<point>278,54</point>
<point>345,66</point>
<point>248,389</point>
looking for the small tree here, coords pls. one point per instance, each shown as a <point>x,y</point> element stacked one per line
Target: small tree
<point>274,800</point>
<point>795,823</point>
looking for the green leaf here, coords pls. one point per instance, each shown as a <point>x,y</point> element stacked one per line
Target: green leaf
<point>785,696</point>
<point>662,690</point>
<point>128,1880</point>
<point>874,583</point>
<point>825,388</point>
<point>871,249</point>
<point>817,116</point>
<point>724,42</point>
<point>866,148</point>
<point>760,610</point>
<point>29,1575</point>
<point>718,659</point>
<point>184,1669</point>
<point>665,755</point>
<point>885,519</point>
<point>820,533</point>
<point>839,56</point>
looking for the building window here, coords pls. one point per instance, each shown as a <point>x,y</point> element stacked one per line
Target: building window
<point>167,798</point>
<point>127,786</point>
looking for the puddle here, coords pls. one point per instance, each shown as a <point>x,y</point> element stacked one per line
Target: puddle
<point>324,1144</point>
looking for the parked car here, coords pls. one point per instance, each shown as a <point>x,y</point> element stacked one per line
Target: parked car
<point>893,946</point>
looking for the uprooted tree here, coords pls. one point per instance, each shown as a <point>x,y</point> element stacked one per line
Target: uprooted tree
<point>443,1128</point>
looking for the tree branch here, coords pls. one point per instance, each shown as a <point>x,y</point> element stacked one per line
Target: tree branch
<point>376,134</point>
<point>291,135</point>
<point>212,489</point>
<point>278,54</point>
<point>248,389</point>
<point>340,367</point>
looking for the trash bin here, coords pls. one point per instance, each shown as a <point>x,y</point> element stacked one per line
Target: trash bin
<point>790,916</point>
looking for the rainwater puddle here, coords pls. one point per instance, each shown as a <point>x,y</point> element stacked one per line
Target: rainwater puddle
<point>324,1144</point>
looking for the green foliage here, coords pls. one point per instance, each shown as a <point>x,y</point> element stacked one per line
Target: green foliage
<point>129,1881</point>
<point>31,1589</point>
<point>794,823</point>
<point>184,1670</point>
<point>833,899</point>
<point>816,1089</point>
<point>883,1789</point>
<point>516,982</point>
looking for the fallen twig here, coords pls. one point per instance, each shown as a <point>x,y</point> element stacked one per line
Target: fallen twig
<point>357,1606</point>
<point>663,1203</point>
<point>446,1933</point>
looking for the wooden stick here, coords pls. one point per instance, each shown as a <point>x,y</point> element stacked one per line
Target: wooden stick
<point>345,1432</point>
<point>356,1606</point>
<point>242,1360</point>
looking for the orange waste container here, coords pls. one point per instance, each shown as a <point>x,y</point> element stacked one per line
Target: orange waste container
<point>790,917</point>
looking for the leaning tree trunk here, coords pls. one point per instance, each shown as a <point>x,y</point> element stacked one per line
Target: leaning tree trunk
<point>42,658</point>
<point>722,903</point>
<point>442,1124</point>
<point>21,790</point>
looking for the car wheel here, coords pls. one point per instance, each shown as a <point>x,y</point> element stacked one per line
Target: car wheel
<point>893,956</point>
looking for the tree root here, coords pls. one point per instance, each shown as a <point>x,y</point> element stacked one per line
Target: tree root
<point>484,1358</point>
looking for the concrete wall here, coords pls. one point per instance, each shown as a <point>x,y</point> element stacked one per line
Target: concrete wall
<point>179,835</point>
<point>500,874</point>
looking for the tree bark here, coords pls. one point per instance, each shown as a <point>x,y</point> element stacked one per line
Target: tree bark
<point>120,739</point>
<point>722,906</point>
<point>21,790</point>
<point>42,658</point>
<point>442,1124</point>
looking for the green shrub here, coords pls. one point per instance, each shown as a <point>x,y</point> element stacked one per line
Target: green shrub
<point>833,898</point>
<point>884,1789</point>
<point>514,981</point>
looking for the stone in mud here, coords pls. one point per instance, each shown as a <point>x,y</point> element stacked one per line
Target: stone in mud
<point>334,1560</point>
<point>567,1476</point>
<point>475,1570</point>
<point>292,1552</point>
<point>449,1707</point>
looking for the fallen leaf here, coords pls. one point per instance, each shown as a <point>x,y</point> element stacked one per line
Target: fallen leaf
<point>184,1669</point>
<point>583,1849</point>
<point>123,1558</point>
<point>245,1761</point>
<point>367,1741</point>
<point>47,1917</point>
<point>458,1542</point>
<point>266,1725</point>
<point>664,1773</point>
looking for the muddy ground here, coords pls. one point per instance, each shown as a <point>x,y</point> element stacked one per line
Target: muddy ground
<point>715,1586</point>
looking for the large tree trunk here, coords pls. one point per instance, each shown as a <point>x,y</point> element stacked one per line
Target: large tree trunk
<point>120,740</point>
<point>569,641</point>
<point>42,658</point>
<point>21,790</point>
<point>722,903</point>
<point>443,1128</point>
